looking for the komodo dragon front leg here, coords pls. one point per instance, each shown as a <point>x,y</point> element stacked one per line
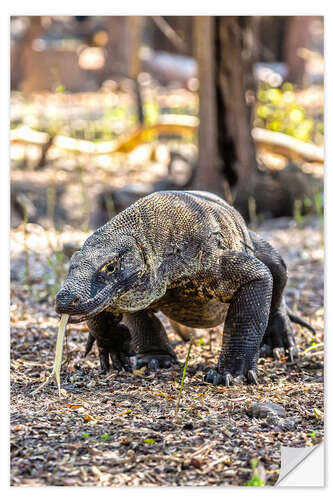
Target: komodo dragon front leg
<point>247,316</point>
<point>150,341</point>
<point>141,334</point>
<point>113,341</point>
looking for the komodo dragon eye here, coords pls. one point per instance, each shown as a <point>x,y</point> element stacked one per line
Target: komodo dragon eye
<point>109,268</point>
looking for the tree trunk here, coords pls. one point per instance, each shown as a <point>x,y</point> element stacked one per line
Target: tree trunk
<point>298,36</point>
<point>123,52</point>
<point>21,52</point>
<point>224,48</point>
<point>208,175</point>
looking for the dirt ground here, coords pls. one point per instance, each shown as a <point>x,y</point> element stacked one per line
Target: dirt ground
<point>120,429</point>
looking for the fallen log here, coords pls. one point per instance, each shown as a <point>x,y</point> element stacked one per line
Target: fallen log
<point>288,146</point>
<point>275,142</point>
<point>167,124</point>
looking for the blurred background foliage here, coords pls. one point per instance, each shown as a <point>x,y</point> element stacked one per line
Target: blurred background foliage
<point>103,105</point>
<point>283,109</point>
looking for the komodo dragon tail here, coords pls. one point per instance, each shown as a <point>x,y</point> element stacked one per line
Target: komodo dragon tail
<point>300,321</point>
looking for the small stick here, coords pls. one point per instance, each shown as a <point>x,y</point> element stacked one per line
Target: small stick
<point>58,355</point>
<point>183,377</point>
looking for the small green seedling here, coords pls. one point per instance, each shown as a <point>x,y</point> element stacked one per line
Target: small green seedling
<point>149,441</point>
<point>314,346</point>
<point>255,479</point>
<point>298,216</point>
<point>183,377</point>
<point>312,435</point>
<point>105,436</point>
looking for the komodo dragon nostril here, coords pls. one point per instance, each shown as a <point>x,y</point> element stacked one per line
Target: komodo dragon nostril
<point>76,301</point>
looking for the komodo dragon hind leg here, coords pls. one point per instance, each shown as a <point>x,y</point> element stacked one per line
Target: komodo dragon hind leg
<point>279,335</point>
<point>150,340</point>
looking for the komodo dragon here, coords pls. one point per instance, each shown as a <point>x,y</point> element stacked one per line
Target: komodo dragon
<point>190,255</point>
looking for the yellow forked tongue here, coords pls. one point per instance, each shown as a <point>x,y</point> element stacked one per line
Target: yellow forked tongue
<point>58,355</point>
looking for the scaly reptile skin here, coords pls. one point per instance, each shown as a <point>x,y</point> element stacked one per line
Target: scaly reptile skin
<point>190,255</point>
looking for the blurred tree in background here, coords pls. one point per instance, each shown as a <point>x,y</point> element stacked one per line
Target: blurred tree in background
<point>138,81</point>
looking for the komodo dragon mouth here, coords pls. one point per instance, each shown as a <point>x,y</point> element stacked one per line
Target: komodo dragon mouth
<point>86,312</point>
<point>81,311</point>
<point>79,318</point>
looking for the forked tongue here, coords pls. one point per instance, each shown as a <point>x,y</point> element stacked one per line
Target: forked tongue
<point>58,355</point>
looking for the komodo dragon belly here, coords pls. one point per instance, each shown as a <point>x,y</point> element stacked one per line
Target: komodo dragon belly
<point>191,309</point>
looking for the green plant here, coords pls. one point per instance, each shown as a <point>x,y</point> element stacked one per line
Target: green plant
<point>149,441</point>
<point>183,378</point>
<point>105,437</point>
<point>86,435</point>
<point>313,346</point>
<point>278,109</point>
<point>319,205</point>
<point>255,479</point>
<point>299,218</point>
<point>313,437</point>
<point>60,89</point>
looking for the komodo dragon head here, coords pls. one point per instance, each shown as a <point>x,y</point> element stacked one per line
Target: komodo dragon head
<point>109,272</point>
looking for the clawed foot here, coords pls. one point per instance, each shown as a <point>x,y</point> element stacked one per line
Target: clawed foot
<point>214,377</point>
<point>267,350</point>
<point>153,361</point>
<point>120,361</point>
<point>279,340</point>
<point>118,348</point>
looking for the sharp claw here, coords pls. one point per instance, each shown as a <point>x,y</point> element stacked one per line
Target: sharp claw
<point>217,379</point>
<point>278,353</point>
<point>227,379</point>
<point>252,377</point>
<point>293,352</point>
<point>209,376</point>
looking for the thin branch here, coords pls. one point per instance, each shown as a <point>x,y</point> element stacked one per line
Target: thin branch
<point>169,32</point>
